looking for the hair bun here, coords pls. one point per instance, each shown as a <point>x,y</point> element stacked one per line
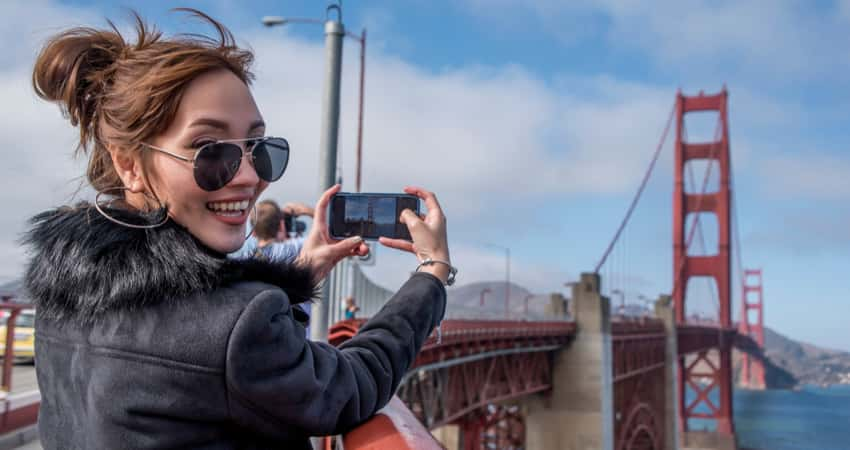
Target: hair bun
<point>73,69</point>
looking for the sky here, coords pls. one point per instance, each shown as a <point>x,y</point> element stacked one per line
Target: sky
<point>534,122</point>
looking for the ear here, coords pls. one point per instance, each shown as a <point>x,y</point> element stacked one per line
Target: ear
<point>129,168</point>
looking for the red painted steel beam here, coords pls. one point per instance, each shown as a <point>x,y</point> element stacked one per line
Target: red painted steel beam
<point>717,266</point>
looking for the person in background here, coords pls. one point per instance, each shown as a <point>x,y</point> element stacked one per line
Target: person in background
<point>291,211</point>
<point>277,247</point>
<point>350,308</point>
<point>266,229</point>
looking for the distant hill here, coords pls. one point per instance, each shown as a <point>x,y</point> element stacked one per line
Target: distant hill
<point>809,364</point>
<point>464,301</point>
<point>15,288</point>
<point>792,363</point>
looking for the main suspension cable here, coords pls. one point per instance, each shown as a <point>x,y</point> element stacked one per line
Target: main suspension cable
<point>639,191</point>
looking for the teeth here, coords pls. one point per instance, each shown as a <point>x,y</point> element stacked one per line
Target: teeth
<point>228,206</point>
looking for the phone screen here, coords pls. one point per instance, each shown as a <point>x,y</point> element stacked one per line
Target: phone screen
<point>370,215</point>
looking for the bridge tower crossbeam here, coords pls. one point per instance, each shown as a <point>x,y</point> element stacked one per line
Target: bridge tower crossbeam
<point>717,374</point>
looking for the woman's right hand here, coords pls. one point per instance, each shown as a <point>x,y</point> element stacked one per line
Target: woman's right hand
<point>428,233</point>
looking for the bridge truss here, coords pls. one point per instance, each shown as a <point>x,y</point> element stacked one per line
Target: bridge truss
<point>471,377</point>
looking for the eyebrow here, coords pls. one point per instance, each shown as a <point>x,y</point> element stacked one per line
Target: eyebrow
<point>222,125</point>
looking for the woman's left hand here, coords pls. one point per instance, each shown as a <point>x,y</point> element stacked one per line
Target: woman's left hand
<point>321,252</point>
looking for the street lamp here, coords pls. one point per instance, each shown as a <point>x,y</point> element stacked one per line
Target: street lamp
<point>622,300</point>
<point>647,302</point>
<point>484,291</point>
<point>507,275</point>
<point>271,21</point>
<point>334,32</point>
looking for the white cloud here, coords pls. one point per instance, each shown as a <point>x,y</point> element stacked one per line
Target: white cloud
<point>475,135</point>
<point>474,263</point>
<point>807,175</point>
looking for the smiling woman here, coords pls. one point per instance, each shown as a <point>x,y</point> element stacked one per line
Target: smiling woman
<point>148,336</point>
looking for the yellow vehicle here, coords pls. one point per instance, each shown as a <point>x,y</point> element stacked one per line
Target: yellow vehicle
<point>24,337</point>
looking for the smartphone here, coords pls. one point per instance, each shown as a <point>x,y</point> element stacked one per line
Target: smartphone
<point>294,225</point>
<point>370,215</point>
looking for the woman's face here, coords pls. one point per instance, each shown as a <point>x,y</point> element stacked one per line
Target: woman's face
<point>215,106</point>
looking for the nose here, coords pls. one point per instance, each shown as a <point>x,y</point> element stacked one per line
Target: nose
<point>246,175</point>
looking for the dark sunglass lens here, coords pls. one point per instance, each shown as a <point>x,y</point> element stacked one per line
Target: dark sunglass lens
<point>217,164</point>
<point>271,156</point>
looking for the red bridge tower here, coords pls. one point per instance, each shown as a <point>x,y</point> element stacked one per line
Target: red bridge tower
<point>752,369</point>
<point>711,368</point>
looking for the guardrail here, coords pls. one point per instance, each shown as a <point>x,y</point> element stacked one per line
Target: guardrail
<point>9,351</point>
<point>16,410</point>
<point>394,427</point>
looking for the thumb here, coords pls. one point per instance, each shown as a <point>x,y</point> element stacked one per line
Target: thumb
<point>408,217</point>
<point>346,246</point>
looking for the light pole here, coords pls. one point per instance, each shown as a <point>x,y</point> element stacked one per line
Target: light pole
<point>507,275</point>
<point>484,291</point>
<point>647,302</point>
<point>328,140</point>
<point>525,309</point>
<point>271,21</point>
<point>622,300</point>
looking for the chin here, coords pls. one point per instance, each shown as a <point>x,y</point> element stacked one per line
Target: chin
<point>225,243</point>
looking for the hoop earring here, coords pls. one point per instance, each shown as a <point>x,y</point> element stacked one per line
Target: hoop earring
<point>120,222</point>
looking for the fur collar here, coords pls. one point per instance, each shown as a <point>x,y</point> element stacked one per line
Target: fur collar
<point>84,265</point>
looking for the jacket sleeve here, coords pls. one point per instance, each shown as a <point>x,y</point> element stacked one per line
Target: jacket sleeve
<point>280,383</point>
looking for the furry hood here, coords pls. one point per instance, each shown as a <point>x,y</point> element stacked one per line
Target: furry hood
<point>83,265</point>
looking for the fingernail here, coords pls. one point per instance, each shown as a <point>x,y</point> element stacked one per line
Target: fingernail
<point>355,239</point>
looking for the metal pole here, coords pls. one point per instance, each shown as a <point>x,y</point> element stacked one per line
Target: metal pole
<point>508,285</point>
<point>360,112</point>
<point>334,32</point>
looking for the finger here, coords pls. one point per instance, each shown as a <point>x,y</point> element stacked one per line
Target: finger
<point>346,247</point>
<point>430,199</point>
<point>398,244</point>
<point>409,218</point>
<point>322,205</point>
<point>362,250</point>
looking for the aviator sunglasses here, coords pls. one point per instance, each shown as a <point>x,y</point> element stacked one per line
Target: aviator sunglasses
<point>216,163</point>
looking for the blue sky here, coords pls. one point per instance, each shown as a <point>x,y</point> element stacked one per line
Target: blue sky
<point>533,121</point>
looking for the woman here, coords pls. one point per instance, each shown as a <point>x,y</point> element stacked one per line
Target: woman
<point>148,336</point>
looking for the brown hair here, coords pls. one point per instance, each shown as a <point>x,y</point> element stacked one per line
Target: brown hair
<point>121,93</point>
<point>268,220</point>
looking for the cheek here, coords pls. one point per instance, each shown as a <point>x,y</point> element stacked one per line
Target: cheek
<point>174,183</point>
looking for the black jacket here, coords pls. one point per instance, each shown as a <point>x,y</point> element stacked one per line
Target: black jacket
<point>146,339</point>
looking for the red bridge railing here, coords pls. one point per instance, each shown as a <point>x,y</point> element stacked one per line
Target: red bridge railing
<point>18,410</point>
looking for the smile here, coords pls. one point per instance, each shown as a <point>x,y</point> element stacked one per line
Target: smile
<point>229,209</point>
